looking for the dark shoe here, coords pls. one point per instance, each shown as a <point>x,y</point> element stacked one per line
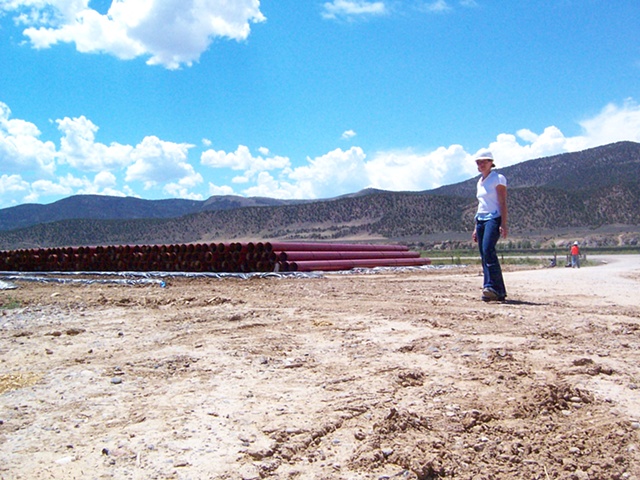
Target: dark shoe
<point>489,294</point>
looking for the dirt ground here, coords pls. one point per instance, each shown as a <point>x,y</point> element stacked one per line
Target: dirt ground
<point>365,376</point>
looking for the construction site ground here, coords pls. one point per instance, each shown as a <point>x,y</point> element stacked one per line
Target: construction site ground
<point>393,374</point>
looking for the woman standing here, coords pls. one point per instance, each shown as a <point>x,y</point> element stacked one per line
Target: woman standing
<point>491,223</point>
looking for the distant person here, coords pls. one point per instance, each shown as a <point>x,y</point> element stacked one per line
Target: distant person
<point>575,255</point>
<point>491,223</point>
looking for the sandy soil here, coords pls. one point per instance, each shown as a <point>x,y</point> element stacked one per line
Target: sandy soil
<point>369,376</point>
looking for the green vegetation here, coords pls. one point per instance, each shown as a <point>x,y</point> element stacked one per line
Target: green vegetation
<point>9,303</point>
<point>533,257</point>
<point>475,260</point>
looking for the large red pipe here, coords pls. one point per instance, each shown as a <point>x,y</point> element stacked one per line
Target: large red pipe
<point>342,255</point>
<point>333,265</point>
<point>312,246</point>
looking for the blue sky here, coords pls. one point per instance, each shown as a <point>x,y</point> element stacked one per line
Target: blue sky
<point>302,98</point>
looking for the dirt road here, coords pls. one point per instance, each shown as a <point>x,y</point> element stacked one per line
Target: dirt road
<point>371,376</point>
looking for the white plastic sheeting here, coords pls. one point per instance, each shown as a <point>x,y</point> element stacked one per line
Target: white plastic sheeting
<point>159,278</point>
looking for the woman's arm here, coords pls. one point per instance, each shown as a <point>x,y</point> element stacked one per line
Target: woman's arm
<point>504,213</point>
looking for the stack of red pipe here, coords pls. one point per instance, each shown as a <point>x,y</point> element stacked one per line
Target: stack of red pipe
<point>211,257</point>
<point>305,257</point>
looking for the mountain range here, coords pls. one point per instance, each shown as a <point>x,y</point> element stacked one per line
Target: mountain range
<point>593,194</point>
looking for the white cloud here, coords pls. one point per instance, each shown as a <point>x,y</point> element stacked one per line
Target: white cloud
<point>171,32</point>
<point>20,148</point>
<point>614,123</point>
<point>103,183</point>
<point>105,180</point>
<point>153,162</point>
<point>508,150</point>
<point>157,162</point>
<point>220,190</point>
<point>79,149</point>
<point>267,186</point>
<point>175,190</point>
<point>241,179</point>
<point>12,186</point>
<point>183,187</point>
<point>14,189</point>
<point>329,175</point>
<point>437,6</point>
<point>445,6</point>
<point>74,182</point>
<point>412,171</point>
<point>242,159</point>
<point>352,9</point>
<point>48,188</point>
<point>347,134</point>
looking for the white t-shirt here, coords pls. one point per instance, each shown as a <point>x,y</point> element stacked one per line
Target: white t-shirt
<point>487,194</point>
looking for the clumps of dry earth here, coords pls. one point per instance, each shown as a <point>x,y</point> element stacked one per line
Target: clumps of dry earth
<point>389,375</point>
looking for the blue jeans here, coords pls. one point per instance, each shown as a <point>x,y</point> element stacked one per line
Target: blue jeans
<point>575,261</point>
<point>488,232</point>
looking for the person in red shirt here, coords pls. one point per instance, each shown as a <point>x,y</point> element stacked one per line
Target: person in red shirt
<point>575,255</point>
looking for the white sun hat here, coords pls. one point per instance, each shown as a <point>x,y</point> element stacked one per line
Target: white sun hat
<point>484,155</point>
